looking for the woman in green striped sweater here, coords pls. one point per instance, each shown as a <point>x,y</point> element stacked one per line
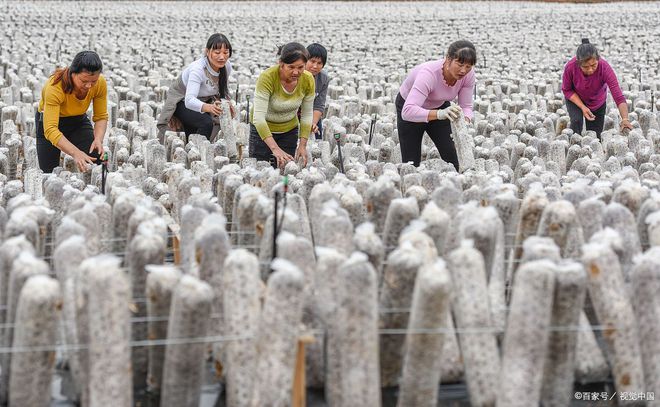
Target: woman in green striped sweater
<point>276,134</point>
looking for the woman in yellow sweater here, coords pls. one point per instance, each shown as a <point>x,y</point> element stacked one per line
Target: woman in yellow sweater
<point>276,134</point>
<point>61,120</point>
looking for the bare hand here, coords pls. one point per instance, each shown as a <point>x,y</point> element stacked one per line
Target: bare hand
<point>213,109</point>
<point>232,109</point>
<point>588,114</point>
<point>301,154</point>
<point>282,157</point>
<point>81,159</point>
<point>175,124</point>
<point>625,124</point>
<point>315,128</point>
<point>98,146</point>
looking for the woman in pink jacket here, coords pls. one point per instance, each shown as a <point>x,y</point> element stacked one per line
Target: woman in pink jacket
<point>584,83</point>
<point>423,102</point>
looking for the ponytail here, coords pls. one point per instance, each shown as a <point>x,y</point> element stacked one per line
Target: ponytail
<point>586,51</point>
<point>63,75</point>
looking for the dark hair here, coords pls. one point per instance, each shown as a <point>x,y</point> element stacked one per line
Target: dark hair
<point>586,51</point>
<point>217,41</point>
<point>84,61</point>
<point>317,50</point>
<point>463,51</point>
<point>292,52</point>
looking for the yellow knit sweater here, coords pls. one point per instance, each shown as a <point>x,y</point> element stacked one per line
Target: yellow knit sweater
<point>55,103</point>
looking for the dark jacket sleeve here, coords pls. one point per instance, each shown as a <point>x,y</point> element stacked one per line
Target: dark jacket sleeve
<point>321,92</point>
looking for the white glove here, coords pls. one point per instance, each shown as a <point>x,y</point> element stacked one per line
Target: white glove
<point>452,113</point>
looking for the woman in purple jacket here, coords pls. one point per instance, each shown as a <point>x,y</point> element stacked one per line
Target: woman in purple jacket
<point>584,83</point>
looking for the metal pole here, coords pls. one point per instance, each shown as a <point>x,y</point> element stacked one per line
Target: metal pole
<point>652,101</point>
<point>247,112</point>
<point>372,127</point>
<point>104,171</point>
<point>341,160</point>
<point>285,189</point>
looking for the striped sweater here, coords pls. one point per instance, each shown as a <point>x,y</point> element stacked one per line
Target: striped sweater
<point>276,111</point>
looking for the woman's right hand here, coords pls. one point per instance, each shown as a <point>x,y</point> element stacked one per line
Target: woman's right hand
<point>588,114</point>
<point>213,109</point>
<point>81,159</point>
<point>281,156</point>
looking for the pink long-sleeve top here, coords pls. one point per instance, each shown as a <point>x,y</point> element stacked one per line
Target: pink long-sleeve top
<point>591,89</point>
<point>425,89</point>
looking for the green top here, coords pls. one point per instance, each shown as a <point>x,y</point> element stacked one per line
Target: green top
<point>276,111</point>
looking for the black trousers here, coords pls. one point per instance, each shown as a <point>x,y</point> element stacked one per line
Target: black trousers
<point>577,118</point>
<point>194,122</point>
<point>77,129</point>
<point>411,134</point>
<point>259,149</point>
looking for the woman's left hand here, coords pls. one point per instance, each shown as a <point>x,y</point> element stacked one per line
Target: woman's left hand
<point>625,124</point>
<point>98,146</point>
<point>301,154</point>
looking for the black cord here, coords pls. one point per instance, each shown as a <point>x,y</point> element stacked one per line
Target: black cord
<point>274,254</point>
<point>279,226</point>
